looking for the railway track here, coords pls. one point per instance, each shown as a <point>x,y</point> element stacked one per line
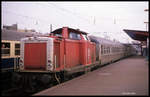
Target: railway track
<point>19,92</point>
<point>27,91</point>
<point>12,92</point>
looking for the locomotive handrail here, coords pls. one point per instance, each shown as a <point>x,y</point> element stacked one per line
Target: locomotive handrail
<point>16,63</point>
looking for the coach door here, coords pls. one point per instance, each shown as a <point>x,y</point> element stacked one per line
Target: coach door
<point>100,52</point>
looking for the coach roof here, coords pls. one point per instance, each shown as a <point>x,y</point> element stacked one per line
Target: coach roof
<point>15,35</point>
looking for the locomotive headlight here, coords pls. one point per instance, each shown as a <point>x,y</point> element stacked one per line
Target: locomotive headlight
<point>49,66</point>
<point>21,61</point>
<point>21,64</point>
<point>21,67</point>
<point>49,61</point>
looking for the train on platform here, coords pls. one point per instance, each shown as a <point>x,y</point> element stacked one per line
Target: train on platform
<point>64,52</point>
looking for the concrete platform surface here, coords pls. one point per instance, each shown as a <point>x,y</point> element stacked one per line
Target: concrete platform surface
<point>125,77</point>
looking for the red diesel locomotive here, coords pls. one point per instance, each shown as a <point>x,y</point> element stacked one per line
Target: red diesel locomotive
<point>65,48</point>
<point>64,52</point>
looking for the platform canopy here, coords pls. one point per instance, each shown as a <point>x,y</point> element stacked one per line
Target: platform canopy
<point>137,34</point>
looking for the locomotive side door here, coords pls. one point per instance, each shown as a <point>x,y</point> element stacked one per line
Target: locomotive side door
<point>56,55</point>
<point>35,56</point>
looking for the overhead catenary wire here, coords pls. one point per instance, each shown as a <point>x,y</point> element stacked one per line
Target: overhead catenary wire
<point>63,11</point>
<point>58,7</point>
<point>70,12</point>
<point>46,21</point>
<point>36,21</point>
<point>27,17</point>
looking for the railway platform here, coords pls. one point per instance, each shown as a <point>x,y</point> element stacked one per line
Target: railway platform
<point>128,76</point>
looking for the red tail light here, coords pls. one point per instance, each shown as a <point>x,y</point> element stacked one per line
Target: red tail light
<point>21,61</point>
<point>49,61</point>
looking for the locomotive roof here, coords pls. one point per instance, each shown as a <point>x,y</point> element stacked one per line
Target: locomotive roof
<point>15,35</point>
<point>70,29</point>
<point>101,40</point>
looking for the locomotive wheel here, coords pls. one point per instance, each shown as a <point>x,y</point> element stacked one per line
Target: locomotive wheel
<point>32,82</point>
<point>46,80</point>
<point>16,80</point>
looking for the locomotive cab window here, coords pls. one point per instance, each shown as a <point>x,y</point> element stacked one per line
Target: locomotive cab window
<point>85,37</point>
<point>58,34</point>
<point>75,36</point>
<point>5,49</point>
<point>17,49</point>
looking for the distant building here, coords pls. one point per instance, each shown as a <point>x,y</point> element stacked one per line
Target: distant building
<point>16,36</point>
<point>14,27</point>
<point>25,30</point>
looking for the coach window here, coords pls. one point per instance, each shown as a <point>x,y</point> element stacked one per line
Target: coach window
<point>105,50</point>
<point>75,36</point>
<point>116,49</point>
<point>5,49</point>
<point>17,49</point>
<point>102,50</point>
<point>108,49</point>
<point>119,49</point>
<point>113,49</point>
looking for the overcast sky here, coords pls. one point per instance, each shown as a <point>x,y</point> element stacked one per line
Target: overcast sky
<point>92,17</point>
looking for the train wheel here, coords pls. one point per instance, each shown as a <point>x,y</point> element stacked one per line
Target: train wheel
<point>32,83</point>
<point>46,80</point>
<point>16,80</point>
